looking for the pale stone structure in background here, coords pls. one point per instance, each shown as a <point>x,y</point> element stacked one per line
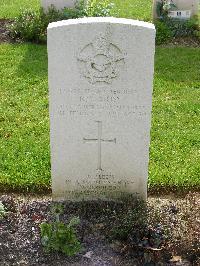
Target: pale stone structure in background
<point>59,4</point>
<point>188,8</point>
<point>100,82</point>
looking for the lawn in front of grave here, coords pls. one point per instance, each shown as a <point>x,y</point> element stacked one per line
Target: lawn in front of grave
<point>24,161</point>
<point>174,156</point>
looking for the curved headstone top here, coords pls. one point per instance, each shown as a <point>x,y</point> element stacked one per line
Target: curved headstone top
<point>100,83</point>
<point>94,20</point>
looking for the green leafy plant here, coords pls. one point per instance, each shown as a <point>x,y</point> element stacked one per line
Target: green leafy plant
<point>163,7</point>
<point>171,27</point>
<point>96,8</point>
<point>163,32</point>
<point>26,26</point>
<point>159,9</point>
<point>32,25</point>
<point>182,28</point>
<point>168,5</point>
<point>2,210</point>
<point>58,236</point>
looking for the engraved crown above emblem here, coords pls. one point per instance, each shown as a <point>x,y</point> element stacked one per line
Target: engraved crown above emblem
<point>100,60</point>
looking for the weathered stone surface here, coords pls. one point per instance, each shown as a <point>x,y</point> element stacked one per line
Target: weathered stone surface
<point>100,81</point>
<point>58,4</point>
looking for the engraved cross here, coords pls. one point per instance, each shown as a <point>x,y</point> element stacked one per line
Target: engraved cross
<point>99,140</point>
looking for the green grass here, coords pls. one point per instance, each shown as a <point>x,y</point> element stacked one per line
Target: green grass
<point>11,8</point>
<point>24,130</point>
<point>135,9</point>
<point>24,144</point>
<point>175,134</point>
<point>138,9</point>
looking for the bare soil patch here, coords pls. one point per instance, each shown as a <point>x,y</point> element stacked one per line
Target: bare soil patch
<point>20,233</point>
<point>4,31</point>
<point>183,42</point>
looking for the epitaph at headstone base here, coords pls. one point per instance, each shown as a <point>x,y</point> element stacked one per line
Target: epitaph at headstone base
<point>100,81</point>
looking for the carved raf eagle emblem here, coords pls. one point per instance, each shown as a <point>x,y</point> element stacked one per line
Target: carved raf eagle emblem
<point>100,60</point>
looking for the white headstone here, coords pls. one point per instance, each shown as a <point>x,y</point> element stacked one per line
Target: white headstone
<point>188,8</point>
<point>100,81</point>
<point>58,4</point>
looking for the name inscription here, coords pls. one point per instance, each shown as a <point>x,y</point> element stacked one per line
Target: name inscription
<point>109,102</point>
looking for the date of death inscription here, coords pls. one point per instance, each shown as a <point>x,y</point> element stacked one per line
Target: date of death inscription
<point>114,104</point>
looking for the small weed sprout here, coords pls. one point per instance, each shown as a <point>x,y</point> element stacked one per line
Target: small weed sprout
<point>2,210</point>
<point>58,236</point>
